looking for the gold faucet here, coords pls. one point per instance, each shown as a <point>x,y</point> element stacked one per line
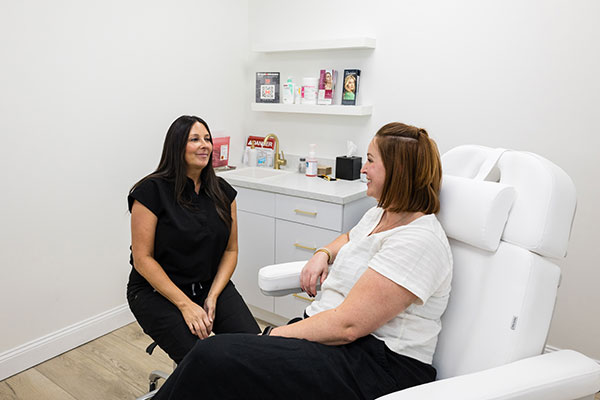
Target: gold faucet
<point>277,161</point>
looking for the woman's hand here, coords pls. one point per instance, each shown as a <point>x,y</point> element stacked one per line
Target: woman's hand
<point>210,307</point>
<point>316,268</point>
<point>196,319</point>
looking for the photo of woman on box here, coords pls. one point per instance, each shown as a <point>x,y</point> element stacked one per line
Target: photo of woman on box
<point>385,285</point>
<point>184,246</point>
<point>349,87</point>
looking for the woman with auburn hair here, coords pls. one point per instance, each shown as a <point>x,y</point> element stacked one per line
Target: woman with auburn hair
<point>385,285</point>
<point>184,246</point>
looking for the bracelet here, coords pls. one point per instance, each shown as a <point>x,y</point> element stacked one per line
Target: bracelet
<point>267,330</point>
<point>326,251</point>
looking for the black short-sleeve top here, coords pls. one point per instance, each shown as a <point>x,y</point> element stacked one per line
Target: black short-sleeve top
<point>188,243</point>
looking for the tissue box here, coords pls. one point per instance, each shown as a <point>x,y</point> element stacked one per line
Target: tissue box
<point>348,167</point>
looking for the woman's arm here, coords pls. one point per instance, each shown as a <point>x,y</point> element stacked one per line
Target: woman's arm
<point>143,230</point>
<point>372,301</point>
<point>226,267</point>
<point>318,268</point>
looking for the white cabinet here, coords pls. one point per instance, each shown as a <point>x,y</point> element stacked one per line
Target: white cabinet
<point>276,228</point>
<point>256,243</point>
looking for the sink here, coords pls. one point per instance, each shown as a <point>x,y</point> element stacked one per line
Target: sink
<point>255,173</point>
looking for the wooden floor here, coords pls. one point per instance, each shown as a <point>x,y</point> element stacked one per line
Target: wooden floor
<point>114,366</point>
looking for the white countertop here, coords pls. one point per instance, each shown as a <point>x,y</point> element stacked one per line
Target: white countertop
<point>295,184</point>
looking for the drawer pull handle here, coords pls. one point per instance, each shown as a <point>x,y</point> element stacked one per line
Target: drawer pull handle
<point>300,246</point>
<point>311,213</point>
<point>303,297</point>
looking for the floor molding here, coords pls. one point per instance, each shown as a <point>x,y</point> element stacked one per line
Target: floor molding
<point>550,349</point>
<point>44,348</point>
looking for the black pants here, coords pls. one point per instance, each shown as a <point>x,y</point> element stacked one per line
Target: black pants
<point>238,366</point>
<point>163,322</point>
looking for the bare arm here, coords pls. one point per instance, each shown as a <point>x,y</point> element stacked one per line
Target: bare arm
<point>317,268</point>
<point>372,301</point>
<point>226,267</point>
<point>143,230</point>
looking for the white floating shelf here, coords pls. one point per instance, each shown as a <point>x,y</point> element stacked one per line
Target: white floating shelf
<point>333,44</point>
<point>359,110</point>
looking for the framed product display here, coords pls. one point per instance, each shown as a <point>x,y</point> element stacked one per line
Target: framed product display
<point>350,89</point>
<point>267,87</point>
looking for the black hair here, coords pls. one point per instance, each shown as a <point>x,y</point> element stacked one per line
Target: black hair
<point>172,166</point>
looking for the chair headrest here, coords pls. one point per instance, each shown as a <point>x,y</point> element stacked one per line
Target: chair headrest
<point>542,213</point>
<point>475,212</point>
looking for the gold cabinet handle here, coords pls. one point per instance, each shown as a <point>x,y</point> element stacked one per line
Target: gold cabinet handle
<point>311,213</point>
<point>300,246</point>
<point>303,297</point>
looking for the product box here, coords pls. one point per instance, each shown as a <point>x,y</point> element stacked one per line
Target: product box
<point>327,80</point>
<point>267,87</point>
<point>350,90</point>
<point>220,156</point>
<point>264,153</point>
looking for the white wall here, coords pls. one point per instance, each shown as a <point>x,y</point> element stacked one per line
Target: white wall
<point>514,74</point>
<point>87,92</point>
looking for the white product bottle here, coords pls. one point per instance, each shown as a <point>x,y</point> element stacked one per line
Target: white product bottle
<point>252,156</point>
<point>288,92</point>
<point>311,162</point>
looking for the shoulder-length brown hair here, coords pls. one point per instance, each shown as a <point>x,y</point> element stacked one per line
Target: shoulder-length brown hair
<point>413,170</point>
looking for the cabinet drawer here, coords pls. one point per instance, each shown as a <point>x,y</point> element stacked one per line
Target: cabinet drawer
<point>255,201</point>
<point>294,242</point>
<point>309,212</point>
<point>293,306</point>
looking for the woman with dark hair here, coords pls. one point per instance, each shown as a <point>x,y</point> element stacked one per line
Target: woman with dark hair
<point>385,285</point>
<point>184,246</point>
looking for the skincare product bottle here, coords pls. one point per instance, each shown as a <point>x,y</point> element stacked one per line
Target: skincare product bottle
<point>302,165</point>
<point>288,92</point>
<point>252,156</point>
<point>311,162</point>
<point>309,90</point>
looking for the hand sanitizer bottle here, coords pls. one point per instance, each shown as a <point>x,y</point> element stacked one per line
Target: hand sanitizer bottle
<point>252,156</point>
<point>311,162</point>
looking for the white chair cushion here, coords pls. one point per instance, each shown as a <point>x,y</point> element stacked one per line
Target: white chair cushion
<point>280,279</point>
<point>475,212</point>
<point>541,218</point>
<point>499,310</point>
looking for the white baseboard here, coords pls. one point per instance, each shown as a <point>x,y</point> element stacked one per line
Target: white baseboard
<point>39,350</point>
<point>550,349</point>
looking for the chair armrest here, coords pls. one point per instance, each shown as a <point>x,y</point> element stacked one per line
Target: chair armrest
<point>280,279</point>
<point>561,375</point>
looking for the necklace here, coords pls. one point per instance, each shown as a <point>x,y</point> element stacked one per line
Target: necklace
<point>402,219</point>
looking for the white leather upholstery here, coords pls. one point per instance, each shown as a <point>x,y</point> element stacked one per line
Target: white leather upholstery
<point>280,279</point>
<point>542,214</point>
<point>475,212</point>
<point>507,214</point>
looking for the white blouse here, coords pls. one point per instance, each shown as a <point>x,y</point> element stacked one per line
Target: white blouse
<point>417,257</point>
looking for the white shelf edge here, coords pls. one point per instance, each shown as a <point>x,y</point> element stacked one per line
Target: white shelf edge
<point>360,110</point>
<point>332,44</point>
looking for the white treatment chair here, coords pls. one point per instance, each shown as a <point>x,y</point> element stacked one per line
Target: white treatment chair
<point>508,215</point>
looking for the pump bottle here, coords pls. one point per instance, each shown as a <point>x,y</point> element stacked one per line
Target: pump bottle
<point>311,162</point>
<point>252,156</point>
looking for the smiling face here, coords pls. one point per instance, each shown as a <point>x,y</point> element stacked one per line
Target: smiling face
<point>198,148</point>
<point>349,83</point>
<point>374,170</point>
